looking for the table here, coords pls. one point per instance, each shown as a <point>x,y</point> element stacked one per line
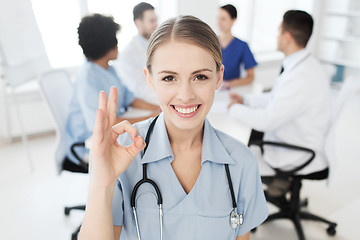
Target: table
<point>220,119</point>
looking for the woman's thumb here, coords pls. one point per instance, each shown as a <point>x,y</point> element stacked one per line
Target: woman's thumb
<point>139,143</point>
<point>136,147</point>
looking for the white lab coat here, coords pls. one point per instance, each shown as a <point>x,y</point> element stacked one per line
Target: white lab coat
<point>296,111</point>
<point>130,67</point>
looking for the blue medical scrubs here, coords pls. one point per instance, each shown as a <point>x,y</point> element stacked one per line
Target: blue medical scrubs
<point>203,213</point>
<point>89,82</point>
<point>236,54</point>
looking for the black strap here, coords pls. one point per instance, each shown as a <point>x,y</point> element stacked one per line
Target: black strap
<point>282,70</point>
<point>147,138</point>
<point>147,141</point>
<point>286,173</point>
<point>138,184</point>
<point>230,185</point>
<point>82,163</point>
<point>145,179</point>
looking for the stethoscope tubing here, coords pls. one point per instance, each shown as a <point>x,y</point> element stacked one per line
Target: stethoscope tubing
<point>145,179</point>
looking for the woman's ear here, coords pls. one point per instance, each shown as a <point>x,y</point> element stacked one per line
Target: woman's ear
<point>148,78</point>
<point>220,77</point>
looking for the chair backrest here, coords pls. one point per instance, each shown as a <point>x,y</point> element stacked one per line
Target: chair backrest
<point>350,86</point>
<point>57,89</point>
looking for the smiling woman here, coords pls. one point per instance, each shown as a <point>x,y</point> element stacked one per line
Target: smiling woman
<point>206,184</point>
<point>184,85</point>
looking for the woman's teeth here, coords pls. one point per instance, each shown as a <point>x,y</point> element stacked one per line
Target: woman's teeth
<point>186,110</point>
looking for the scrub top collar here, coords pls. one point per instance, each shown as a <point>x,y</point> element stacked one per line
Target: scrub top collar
<point>159,147</point>
<point>98,67</point>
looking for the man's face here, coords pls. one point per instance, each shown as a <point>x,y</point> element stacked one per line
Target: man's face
<point>147,25</point>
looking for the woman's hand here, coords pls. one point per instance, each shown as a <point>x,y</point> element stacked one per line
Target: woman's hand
<point>108,158</point>
<point>226,85</point>
<point>235,98</point>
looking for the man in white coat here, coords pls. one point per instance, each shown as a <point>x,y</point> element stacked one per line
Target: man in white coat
<point>297,110</point>
<point>131,62</point>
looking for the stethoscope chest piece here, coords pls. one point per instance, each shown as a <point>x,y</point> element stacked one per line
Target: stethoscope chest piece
<point>236,219</point>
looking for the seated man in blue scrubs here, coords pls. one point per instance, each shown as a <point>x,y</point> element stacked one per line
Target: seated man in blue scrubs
<point>235,52</point>
<point>97,38</point>
<point>208,181</point>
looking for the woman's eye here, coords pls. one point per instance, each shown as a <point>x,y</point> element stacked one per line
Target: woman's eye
<point>201,77</point>
<point>168,78</point>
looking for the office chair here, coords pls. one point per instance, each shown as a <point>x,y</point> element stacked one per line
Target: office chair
<point>57,89</point>
<point>290,204</point>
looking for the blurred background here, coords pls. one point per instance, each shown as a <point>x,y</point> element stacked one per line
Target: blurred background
<point>39,35</point>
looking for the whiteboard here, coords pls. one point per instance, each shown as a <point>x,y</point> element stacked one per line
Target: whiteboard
<point>22,49</point>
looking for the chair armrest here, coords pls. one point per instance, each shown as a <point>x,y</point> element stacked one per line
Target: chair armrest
<point>83,164</point>
<point>289,146</point>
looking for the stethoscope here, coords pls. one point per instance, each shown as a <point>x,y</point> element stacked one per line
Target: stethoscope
<point>236,219</point>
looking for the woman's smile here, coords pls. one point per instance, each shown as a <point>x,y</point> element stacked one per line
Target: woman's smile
<point>186,111</point>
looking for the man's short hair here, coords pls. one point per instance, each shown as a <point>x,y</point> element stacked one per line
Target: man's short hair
<point>139,10</point>
<point>299,24</point>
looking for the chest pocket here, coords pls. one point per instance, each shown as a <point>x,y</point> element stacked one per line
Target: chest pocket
<point>212,225</point>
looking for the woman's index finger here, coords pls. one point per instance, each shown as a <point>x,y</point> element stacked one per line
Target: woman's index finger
<point>102,102</point>
<point>125,126</point>
<point>112,105</point>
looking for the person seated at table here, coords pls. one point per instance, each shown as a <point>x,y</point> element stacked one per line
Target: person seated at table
<point>97,38</point>
<point>297,110</point>
<point>131,62</point>
<point>208,182</point>
<point>236,53</point>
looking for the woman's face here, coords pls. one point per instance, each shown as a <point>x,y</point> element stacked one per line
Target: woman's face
<point>224,20</point>
<point>184,78</point>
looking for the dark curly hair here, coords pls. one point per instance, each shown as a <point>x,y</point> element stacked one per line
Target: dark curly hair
<point>97,35</point>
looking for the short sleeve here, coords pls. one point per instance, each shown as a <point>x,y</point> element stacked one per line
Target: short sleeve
<point>129,97</point>
<point>118,205</point>
<point>88,96</point>
<point>248,58</point>
<point>251,199</point>
<point>125,97</point>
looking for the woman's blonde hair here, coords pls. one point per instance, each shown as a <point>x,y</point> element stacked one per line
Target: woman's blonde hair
<point>189,29</point>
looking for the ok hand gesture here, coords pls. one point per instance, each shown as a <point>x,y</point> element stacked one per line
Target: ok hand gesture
<point>108,158</point>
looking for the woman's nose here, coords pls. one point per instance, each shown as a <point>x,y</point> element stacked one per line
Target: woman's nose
<point>185,92</point>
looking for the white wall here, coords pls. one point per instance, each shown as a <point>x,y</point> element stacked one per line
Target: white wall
<point>206,10</point>
<point>23,57</point>
<point>34,110</point>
